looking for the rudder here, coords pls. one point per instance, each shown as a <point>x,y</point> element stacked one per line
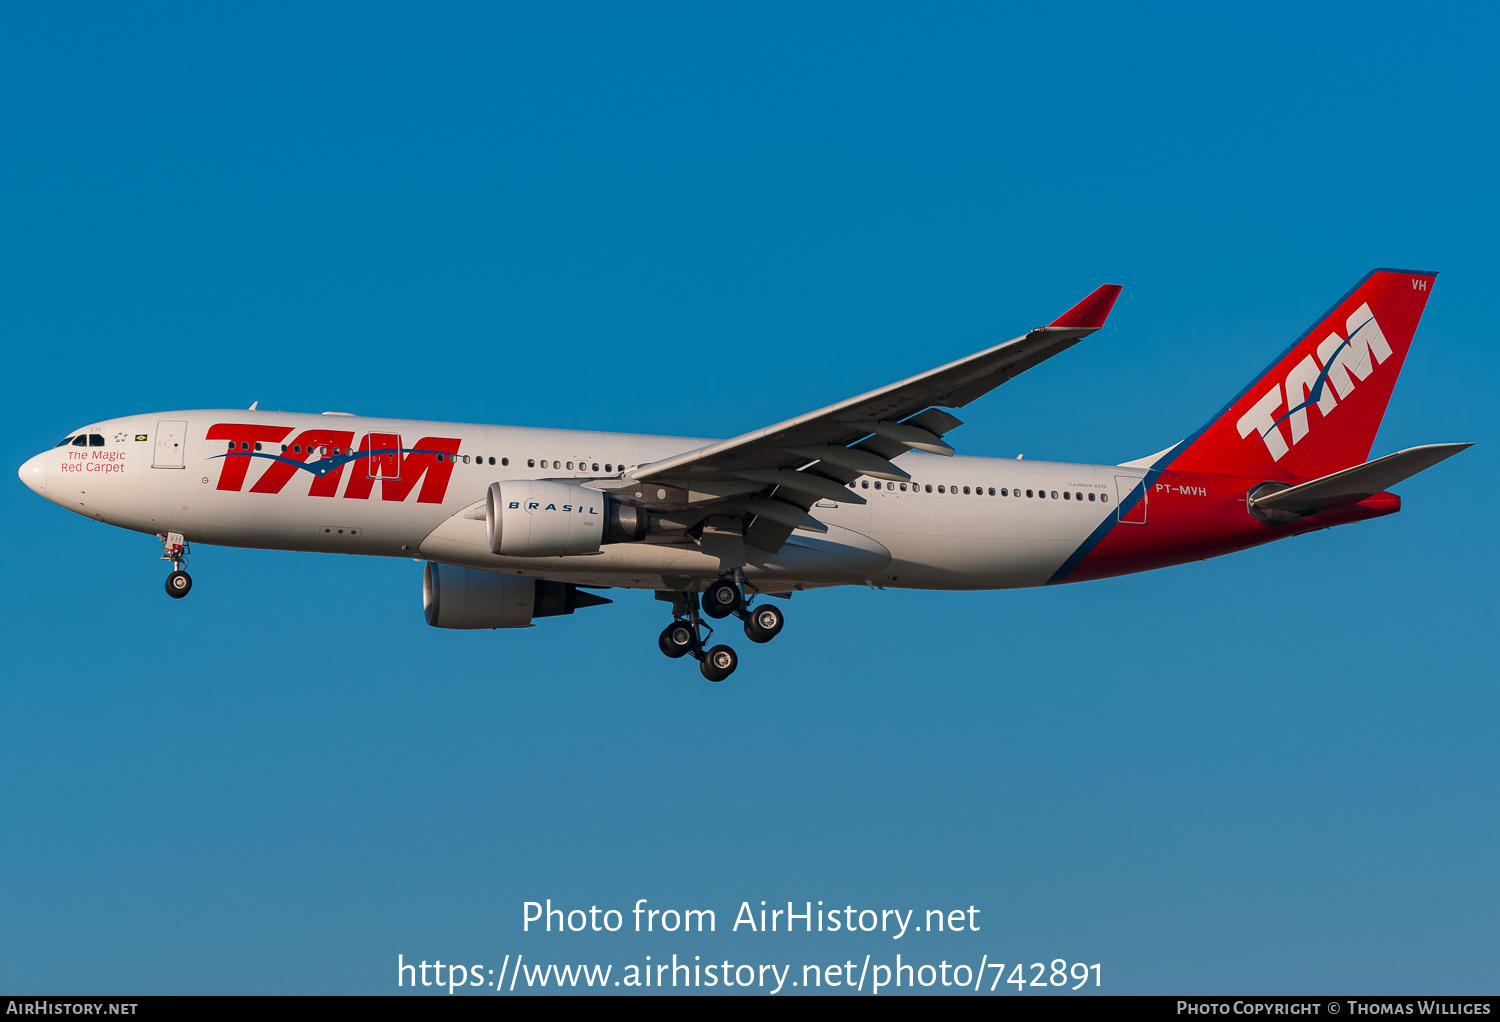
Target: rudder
<point>1317,407</point>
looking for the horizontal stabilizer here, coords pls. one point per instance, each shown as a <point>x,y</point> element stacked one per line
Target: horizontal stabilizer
<point>1353,485</point>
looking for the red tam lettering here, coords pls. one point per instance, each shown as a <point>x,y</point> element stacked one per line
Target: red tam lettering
<point>301,447</point>
<point>430,461</point>
<point>243,436</point>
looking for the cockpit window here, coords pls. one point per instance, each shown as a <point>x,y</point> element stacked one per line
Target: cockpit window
<point>95,440</point>
<point>65,441</point>
<point>81,440</point>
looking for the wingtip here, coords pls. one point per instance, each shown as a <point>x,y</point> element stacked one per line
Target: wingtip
<point>1090,313</point>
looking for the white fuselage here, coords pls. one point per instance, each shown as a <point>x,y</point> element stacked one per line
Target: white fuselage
<point>943,530</point>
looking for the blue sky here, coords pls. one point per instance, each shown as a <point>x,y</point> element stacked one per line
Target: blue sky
<point>1271,772</point>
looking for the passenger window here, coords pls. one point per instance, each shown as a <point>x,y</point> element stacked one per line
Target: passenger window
<point>865,483</point>
<point>1054,494</point>
<point>903,487</point>
<point>531,463</point>
<point>1028,493</point>
<point>1004,492</point>
<point>1067,495</point>
<point>966,491</point>
<point>929,487</point>
<point>607,468</point>
<point>283,448</point>
<point>594,469</point>
<point>992,491</point>
<point>941,490</point>
<point>503,461</point>
<point>892,486</point>
<point>257,445</point>
<point>1104,498</point>
<point>1077,496</point>
<point>1091,496</point>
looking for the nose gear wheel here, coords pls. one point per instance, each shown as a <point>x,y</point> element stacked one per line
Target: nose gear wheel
<point>175,549</point>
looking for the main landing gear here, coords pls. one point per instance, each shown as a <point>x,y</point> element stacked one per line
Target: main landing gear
<point>175,549</point>
<point>688,633</point>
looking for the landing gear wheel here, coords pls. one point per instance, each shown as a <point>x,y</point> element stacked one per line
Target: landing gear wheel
<point>719,663</point>
<point>763,624</point>
<point>178,584</point>
<point>677,639</point>
<point>722,599</point>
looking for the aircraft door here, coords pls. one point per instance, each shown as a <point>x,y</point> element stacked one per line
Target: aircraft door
<point>384,460</point>
<point>1124,487</point>
<point>171,438</point>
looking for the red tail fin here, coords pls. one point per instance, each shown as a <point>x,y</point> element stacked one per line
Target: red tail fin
<point>1316,409</point>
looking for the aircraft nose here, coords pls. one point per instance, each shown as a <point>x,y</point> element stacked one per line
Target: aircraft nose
<point>34,474</point>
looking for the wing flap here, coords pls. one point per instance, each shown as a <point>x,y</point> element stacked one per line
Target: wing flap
<point>806,482</point>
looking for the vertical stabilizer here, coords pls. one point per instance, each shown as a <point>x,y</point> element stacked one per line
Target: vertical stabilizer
<point>1316,409</point>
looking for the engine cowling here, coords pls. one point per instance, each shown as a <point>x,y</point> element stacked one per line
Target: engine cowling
<point>547,518</point>
<point>454,597</point>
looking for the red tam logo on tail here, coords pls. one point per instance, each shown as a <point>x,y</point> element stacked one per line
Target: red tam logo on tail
<point>1318,406</point>
<point>1337,361</point>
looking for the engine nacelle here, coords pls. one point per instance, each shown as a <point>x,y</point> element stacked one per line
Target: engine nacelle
<point>454,597</point>
<point>546,518</point>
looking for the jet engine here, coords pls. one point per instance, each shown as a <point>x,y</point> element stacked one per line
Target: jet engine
<point>454,597</point>
<point>547,518</point>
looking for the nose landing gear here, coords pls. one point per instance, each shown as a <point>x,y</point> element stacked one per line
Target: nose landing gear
<point>175,549</point>
<point>688,633</point>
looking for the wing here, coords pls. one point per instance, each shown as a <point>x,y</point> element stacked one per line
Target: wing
<point>760,485</point>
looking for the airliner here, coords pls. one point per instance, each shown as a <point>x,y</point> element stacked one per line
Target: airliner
<point>516,524</point>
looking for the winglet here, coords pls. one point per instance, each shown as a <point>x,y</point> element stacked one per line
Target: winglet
<point>1090,313</point>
